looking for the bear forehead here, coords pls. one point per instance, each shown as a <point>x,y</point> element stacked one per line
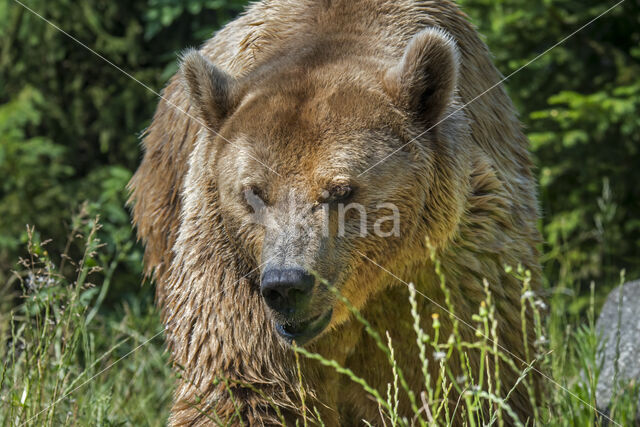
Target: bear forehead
<point>309,104</point>
<point>305,126</point>
<point>314,108</point>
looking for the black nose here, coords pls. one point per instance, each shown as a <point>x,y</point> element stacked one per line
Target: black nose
<point>286,290</point>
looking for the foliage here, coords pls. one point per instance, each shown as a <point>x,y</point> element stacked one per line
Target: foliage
<point>69,122</point>
<point>53,368</point>
<point>34,169</point>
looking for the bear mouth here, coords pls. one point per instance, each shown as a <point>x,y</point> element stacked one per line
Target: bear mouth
<point>305,331</point>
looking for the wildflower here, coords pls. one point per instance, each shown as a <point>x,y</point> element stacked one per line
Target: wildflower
<point>439,355</point>
<point>528,294</point>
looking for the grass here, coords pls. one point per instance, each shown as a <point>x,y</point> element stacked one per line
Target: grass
<point>57,346</point>
<point>66,360</point>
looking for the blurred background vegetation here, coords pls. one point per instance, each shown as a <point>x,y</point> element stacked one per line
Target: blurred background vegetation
<point>70,122</point>
<point>70,126</point>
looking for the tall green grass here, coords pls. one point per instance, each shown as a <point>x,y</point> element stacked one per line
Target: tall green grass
<point>65,361</point>
<point>62,361</point>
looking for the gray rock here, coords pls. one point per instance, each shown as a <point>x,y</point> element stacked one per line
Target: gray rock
<point>619,329</point>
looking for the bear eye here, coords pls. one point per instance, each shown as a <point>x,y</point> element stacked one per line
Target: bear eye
<point>338,193</point>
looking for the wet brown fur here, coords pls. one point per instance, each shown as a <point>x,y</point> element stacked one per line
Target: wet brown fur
<point>479,210</point>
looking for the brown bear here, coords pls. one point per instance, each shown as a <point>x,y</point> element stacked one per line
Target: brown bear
<point>263,143</point>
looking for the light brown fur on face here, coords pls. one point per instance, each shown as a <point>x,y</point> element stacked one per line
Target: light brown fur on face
<point>289,102</point>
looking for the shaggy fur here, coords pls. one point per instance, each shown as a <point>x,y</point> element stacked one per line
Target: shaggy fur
<point>290,100</point>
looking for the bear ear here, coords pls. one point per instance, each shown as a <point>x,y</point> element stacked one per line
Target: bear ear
<point>211,90</point>
<point>424,81</point>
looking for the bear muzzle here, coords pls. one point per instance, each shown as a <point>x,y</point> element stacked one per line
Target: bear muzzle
<point>287,292</point>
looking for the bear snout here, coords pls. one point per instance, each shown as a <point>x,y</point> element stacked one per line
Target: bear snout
<point>287,290</point>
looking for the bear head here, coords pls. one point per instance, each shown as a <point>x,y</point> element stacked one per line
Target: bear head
<point>321,157</point>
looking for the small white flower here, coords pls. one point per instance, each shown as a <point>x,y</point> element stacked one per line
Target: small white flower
<point>528,294</point>
<point>439,355</point>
